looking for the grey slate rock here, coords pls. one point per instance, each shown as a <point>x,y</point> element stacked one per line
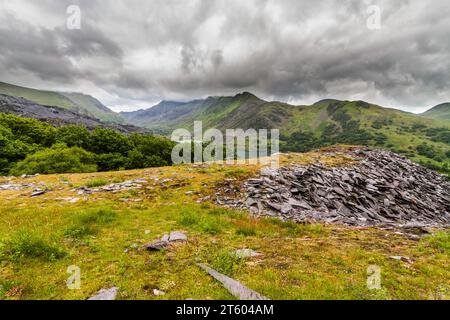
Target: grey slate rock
<point>381,189</point>
<point>236,288</point>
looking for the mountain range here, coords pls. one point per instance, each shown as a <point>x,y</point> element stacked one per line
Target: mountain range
<point>422,137</point>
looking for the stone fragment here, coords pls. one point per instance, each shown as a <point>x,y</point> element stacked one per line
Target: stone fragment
<point>157,292</point>
<point>106,294</point>
<point>236,288</point>
<point>166,240</point>
<point>401,258</point>
<point>246,253</point>
<point>37,193</point>
<point>157,246</point>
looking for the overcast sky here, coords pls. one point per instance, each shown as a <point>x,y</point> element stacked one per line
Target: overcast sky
<point>132,54</point>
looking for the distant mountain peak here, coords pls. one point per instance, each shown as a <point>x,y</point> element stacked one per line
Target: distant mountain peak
<point>326,101</point>
<point>246,94</point>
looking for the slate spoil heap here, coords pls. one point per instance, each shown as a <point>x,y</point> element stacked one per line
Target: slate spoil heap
<point>382,188</point>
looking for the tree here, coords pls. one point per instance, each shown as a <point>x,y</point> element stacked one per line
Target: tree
<point>110,161</point>
<point>30,131</point>
<point>103,140</point>
<point>73,136</point>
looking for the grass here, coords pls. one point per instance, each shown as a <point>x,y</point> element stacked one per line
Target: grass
<point>25,244</point>
<point>209,223</point>
<point>226,262</point>
<point>104,236</point>
<point>96,216</point>
<point>439,241</point>
<point>95,183</point>
<point>79,232</point>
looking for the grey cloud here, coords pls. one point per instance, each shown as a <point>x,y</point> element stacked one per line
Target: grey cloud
<point>287,49</point>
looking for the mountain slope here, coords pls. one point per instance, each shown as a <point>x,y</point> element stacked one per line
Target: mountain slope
<point>76,102</point>
<point>305,127</point>
<point>439,112</point>
<point>164,111</point>
<point>55,115</point>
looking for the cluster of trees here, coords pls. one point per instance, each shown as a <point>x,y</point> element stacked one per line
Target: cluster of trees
<point>344,131</point>
<point>29,146</point>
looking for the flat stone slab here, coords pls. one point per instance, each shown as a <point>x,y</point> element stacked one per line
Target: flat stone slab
<point>174,237</point>
<point>236,288</point>
<point>106,294</point>
<point>166,240</point>
<point>37,193</point>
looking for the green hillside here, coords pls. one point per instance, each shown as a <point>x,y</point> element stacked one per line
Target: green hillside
<point>72,101</point>
<point>93,107</point>
<point>306,127</point>
<point>439,112</point>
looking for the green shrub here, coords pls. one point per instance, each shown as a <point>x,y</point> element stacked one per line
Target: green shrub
<point>24,244</point>
<point>58,159</point>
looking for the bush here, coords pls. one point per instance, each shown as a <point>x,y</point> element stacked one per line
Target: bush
<point>58,159</point>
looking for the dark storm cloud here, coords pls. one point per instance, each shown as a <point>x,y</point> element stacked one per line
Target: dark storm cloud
<point>287,50</point>
<point>51,53</point>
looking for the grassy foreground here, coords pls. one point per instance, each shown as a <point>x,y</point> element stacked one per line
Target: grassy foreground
<point>104,234</point>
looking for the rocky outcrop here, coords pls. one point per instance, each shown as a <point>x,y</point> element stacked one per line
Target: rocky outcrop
<point>383,188</point>
<point>55,115</point>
